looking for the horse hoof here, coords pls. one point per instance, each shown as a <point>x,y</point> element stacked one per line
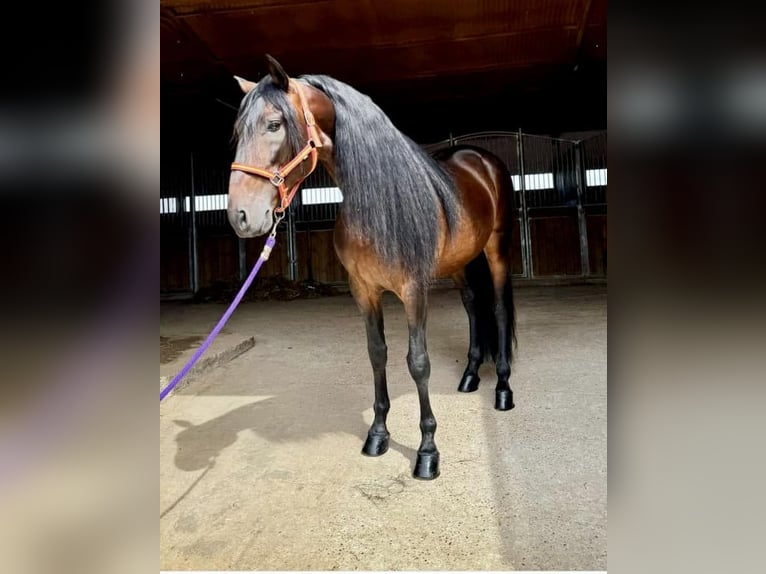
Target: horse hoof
<point>504,400</point>
<point>375,445</point>
<point>469,383</point>
<point>427,466</point>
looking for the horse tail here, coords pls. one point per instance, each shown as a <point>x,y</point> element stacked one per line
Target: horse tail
<point>506,190</point>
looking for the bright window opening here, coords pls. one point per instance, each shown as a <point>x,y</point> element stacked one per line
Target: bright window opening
<point>595,177</point>
<point>534,181</point>
<point>216,202</point>
<point>325,195</point>
<point>207,202</point>
<point>168,205</point>
<point>320,195</point>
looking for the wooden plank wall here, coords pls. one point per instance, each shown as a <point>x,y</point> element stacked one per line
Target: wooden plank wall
<point>174,259</point>
<point>554,236</point>
<point>218,254</point>
<point>596,225</point>
<point>555,245</point>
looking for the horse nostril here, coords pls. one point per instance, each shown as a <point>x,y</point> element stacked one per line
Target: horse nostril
<point>242,219</point>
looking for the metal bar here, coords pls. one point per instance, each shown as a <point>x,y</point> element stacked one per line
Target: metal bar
<point>292,258</point>
<point>242,247</point>
<point>582,224</point>
<point>459,139</point>
<point>309,262</point>
<point>194,266</point>
<point>526,247</point>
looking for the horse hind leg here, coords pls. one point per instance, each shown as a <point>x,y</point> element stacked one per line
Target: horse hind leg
<point>477,294</point>
<point>498,257</point>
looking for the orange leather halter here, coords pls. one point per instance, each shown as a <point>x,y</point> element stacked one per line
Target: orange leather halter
<point>278,177</point>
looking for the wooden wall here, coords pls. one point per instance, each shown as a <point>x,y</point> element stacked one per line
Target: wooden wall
<point>174,259</point>
<point>315,249</point>
<point>596,224</point>
<point>218,256</point>
<point>554,237</point>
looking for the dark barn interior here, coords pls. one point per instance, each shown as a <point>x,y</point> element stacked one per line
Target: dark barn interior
<point>261,463</point>
<point>525,78</point>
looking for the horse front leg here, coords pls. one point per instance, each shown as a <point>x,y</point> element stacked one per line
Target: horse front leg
<point>368,301</point>
<point>427,463</point>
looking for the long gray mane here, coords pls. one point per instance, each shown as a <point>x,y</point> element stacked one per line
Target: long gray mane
<point>393,192</point>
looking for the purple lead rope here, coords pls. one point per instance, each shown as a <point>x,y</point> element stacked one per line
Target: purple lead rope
<point>246,285</point>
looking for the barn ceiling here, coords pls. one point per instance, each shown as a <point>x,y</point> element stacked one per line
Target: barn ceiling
<point>433,51</point>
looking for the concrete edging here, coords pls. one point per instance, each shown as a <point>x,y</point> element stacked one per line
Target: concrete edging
<point>207,363</point>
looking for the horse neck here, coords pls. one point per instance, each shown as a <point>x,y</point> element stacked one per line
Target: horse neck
<point>324,113</point>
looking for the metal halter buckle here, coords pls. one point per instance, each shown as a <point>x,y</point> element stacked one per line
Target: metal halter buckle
<point>277,179</point>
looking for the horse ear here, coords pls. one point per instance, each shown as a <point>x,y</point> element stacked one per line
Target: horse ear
<point>245,85</point>
<point>278,74</point>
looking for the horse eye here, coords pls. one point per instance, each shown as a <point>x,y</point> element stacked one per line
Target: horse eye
<point>273,126</point>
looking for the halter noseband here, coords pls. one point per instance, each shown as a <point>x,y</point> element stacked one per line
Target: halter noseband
<point>278,177</point>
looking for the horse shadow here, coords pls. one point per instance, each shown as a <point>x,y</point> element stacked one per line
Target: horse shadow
<point>295,413</point>
<point>281,419</point>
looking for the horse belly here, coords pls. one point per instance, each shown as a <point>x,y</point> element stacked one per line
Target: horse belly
<point>473,231</point>
<point>460,249</point>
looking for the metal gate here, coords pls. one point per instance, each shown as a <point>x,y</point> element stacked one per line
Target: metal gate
<point>559,192</point>
<point>560,198</point>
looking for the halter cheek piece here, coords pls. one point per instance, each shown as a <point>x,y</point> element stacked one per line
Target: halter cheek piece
<point>278,177</point>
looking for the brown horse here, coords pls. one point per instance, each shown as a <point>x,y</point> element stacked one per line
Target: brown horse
<point>405,219</point>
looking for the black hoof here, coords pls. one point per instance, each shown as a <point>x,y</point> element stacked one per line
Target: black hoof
<point>427,466</point>
<point>375,445</point>
<point>504,400</point>
<point>469,383</point>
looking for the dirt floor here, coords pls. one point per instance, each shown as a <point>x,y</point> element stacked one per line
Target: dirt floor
<point>260,464</point>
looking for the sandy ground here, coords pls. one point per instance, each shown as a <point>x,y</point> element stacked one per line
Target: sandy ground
<point>260,464</point>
